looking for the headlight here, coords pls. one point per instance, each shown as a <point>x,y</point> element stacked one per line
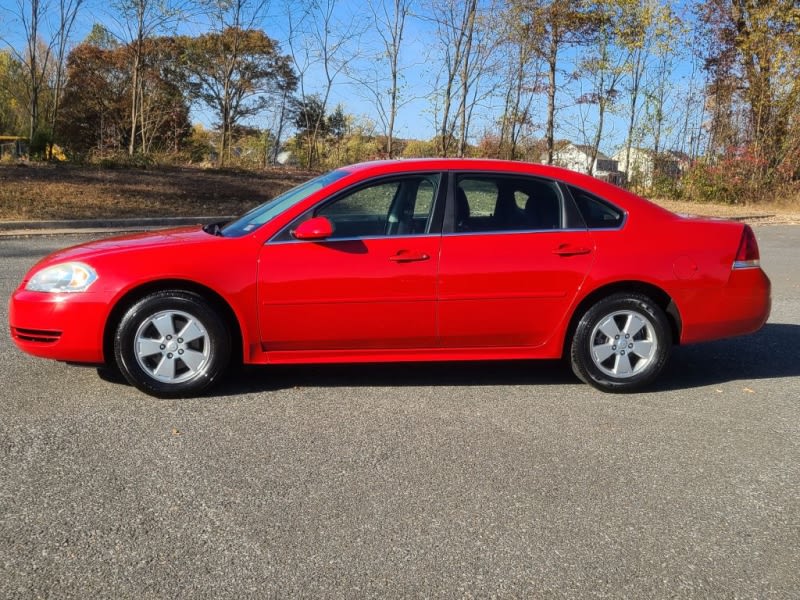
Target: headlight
<point>66,277</point>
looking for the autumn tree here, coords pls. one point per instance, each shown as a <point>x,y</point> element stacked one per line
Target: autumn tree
<point>753,61</point>
<point>96,105</point>
<point>237,74</point>
<point>97,100</point>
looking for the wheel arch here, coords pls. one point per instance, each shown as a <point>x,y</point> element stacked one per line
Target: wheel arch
<point>135,294</point>
<point>655,293</point>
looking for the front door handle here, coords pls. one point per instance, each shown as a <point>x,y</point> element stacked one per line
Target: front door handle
<point>405,256</point>
<point>570,250</point>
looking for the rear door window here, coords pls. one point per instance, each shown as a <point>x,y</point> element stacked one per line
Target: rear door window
<point>596,212</point>
<point>495,203</point>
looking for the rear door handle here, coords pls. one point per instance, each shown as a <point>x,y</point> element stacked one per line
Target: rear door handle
<point>405,256</point>
<point>570,250</point>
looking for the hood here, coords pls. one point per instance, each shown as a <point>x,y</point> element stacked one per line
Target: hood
<point>184,236</point>
<point>137,241</point>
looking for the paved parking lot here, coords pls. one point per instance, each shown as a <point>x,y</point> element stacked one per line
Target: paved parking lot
<point>455,480</point>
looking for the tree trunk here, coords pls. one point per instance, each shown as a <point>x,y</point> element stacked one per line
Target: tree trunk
<point>134,97</point>
<point>551,97</point>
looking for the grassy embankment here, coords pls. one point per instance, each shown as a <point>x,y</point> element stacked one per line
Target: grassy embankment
<point>33,192</point>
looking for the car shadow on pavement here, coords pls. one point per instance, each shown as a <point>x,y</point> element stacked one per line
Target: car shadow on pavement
<point>446,374</point>
<point>770,353</point>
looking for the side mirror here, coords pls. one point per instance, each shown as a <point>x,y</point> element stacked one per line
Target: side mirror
<point>316,228</point>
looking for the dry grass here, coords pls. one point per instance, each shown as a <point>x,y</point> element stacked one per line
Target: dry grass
<point>68,192</point>
<point>755,213</point>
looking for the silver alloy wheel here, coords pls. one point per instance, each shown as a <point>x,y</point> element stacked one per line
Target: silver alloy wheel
<point>172,346</point>
<point>623,344</point>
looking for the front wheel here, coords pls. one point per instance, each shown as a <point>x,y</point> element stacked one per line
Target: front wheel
<point>172,344</point>
<point>621,343</point>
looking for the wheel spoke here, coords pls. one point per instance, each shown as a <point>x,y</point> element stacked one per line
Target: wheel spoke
<point>166,368</point>
<point>602,352</point>
<point>623,365</point>
<point>633,325</point>
<point>609,328</point>
<point>643,348</point>
<point>164,324</point>
<point>148,347</point>
<point>191,332</point>
<point>192,359</point>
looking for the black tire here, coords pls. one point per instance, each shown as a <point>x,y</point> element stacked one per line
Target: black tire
<point>110,372</point>
<point>152,355</point>
<point>601,354</point>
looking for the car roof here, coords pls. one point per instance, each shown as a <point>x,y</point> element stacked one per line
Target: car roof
<point>580,180</point>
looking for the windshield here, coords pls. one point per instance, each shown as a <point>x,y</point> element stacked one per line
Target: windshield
<point>259,215</point>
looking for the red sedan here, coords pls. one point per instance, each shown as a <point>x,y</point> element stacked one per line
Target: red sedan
<point>403,261</point>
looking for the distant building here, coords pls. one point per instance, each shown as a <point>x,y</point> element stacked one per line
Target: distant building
<point>646,165</point>
<point>578,157</point>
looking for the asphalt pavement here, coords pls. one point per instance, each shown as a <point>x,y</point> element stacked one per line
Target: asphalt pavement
<point>506,480</point>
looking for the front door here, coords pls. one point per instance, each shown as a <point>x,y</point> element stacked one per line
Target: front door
<point>371,285</point>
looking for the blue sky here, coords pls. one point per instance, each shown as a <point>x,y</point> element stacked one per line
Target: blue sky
<point>420,68</point>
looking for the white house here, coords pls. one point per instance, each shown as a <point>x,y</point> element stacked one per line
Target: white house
<point>645,164</point>
<point>577,157</point>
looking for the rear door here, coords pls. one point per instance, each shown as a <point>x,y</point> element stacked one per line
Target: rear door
<point>514,254</point>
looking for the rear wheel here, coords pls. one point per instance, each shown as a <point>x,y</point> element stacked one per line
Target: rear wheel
<point>621,343</point>
<point>172,344</point>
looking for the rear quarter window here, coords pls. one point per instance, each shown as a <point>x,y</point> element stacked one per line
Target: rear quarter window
<point>596,212</point>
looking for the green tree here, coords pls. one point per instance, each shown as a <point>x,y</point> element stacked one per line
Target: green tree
<point>12,85</point>
<point>312,124</point>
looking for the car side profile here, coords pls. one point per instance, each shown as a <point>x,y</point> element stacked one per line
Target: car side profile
<point>413,260</point>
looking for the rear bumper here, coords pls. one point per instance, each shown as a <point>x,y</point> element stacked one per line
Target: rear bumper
<point>66,327</point>
<point>740,307</point>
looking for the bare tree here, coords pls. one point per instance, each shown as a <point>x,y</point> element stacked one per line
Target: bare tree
<point>640,43</point>
<point>382,81</point>
<point>67,13</point>
<point>522,81</point>
<point>138,20</point>
<point>555,25</point>
<point>30,14</point>
<point>324,39</point>
<point>455,23</point>
<point>604,67</point>
<point>46,38</point>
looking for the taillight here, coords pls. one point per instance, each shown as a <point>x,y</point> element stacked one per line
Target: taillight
<point>747,257</point>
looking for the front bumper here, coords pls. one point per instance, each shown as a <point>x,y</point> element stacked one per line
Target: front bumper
<point>66,327</point>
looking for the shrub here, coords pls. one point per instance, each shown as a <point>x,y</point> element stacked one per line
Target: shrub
<point>738,177</point>
<point>40,141</point>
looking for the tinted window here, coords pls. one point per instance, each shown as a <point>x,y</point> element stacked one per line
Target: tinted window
<point>486,203</point>
<point>389,207</point>
<point>596,213</point>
